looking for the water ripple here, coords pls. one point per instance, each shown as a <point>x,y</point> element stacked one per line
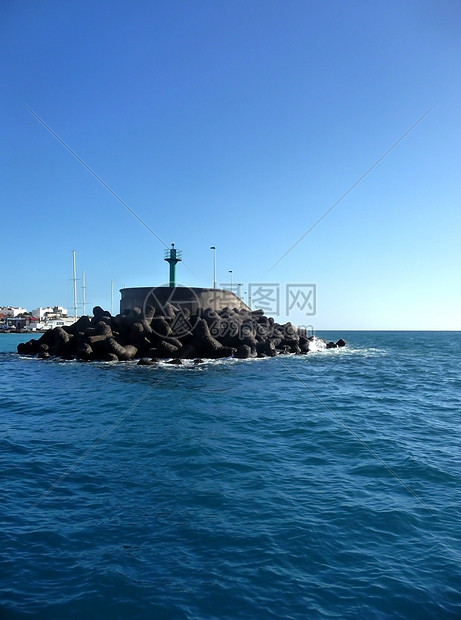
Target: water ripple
<point>231,490</point>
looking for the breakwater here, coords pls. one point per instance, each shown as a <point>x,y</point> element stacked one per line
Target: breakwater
<point>172,333</point>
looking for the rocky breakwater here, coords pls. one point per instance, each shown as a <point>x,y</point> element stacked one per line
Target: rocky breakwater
<point>173,334</point>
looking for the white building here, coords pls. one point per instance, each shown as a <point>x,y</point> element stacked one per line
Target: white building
<point>12,311</point>
<point>52,323</point>
<point>49,313</point>
<point>40,313</point>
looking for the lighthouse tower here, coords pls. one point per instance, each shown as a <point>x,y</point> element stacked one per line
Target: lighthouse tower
<point>183,297</point>
<point>173,256</point>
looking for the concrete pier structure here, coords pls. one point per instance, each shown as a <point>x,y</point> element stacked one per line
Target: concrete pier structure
<point>179,296</point>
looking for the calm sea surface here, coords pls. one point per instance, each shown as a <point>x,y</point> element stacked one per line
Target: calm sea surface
<point>318,486</point>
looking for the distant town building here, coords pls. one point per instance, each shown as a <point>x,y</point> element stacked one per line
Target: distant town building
<point>11,311</point>
<point>18,319</point>
<point>48,313</point>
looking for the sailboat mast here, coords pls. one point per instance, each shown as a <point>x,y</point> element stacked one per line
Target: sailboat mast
<point>75,285</point>
<point>83,294</point>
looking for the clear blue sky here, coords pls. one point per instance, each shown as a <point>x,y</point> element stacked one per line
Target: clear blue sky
<point>236,124</point>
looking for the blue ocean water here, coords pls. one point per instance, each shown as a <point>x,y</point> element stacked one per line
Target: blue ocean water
<point>318,486</point>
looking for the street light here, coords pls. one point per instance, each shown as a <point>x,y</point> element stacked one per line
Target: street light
<point>214,265</point>
<point>230,271</point>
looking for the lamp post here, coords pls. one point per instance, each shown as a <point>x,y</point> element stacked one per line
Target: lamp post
<point>230,271</point>
<point>214,265</point>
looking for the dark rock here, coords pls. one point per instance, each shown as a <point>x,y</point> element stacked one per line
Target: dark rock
<point>152,334</point>
<point>143,345</point>
<point>90,331</point>
<point>176,361</point>
<point>30,348</point>
<point>134,315</point>
<point>227,331</point>
<point>98,313</point>
<point>84,352</point>
<point>145,361</point>
<point>47,338</point>
<point>160,326</point>
<point>303,343</point>
<point>91,340</point>
<point>103,329</point>
<point>146,326</point>
<point>123,353</point>
<point>169,310</point>
<point>80,325</point>
<point>185,312</point>
<point>193,319</point>
<point>111,357</point>
<point>187,352</point>
<point>166,349</point>
<point>176,342</point>
<point>79,338</point>
<point>265,348</point>
<point>60,336</point>
<point>263,331</point>
<point>149,312</point>
<point>130,352</point>
<point>99,345</point>
<point>294,348</point>
<point>225,352</point>
<point>209,313</point>
<point>290,332</point>
<point>243,352</point>
<point>61,341</point>
<point>204,343</point>
<point>137,336</point>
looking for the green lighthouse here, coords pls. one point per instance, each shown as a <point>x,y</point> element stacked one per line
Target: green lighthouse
<point>173,256</point>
